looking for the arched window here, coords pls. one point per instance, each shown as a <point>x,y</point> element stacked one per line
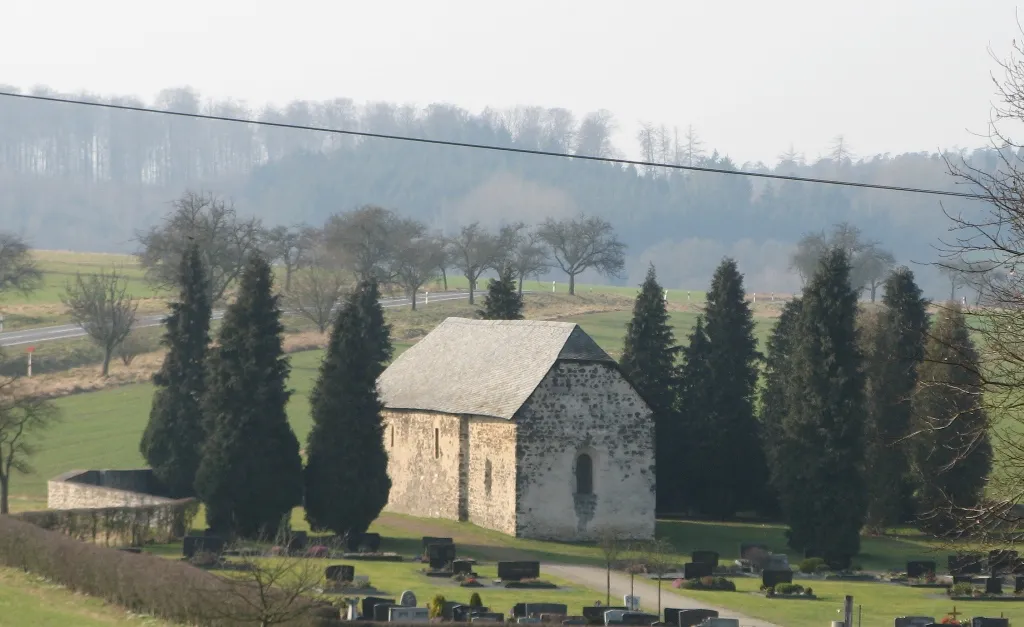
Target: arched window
<point>584,474</point>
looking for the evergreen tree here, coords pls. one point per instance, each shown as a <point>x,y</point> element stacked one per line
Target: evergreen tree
<point>648,360</point>
<point>250,476</point>
<point>952,455</point>
<point>689,428</point>
<point>733,363</point>
<point>346,477</point>
<point>821,451</point>
<point>503,300</point>
<point>773,396</point>
<point>894,347</point>
<point>174,435</point>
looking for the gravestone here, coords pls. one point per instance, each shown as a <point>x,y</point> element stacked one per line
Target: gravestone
<point>595,613</point>
<point>575,620</point>
<point>191,545</point>
<point>632,602</point>
<point>381,611</point>
<point>517,571</point>
<point>359,542</point>
<point>351,609</point>
<point>552,618</point>
<point>366,607</point>
<point>462,567</point>
<point>1018,584</point>
<point>440,555</point>
<point>914,621</point>
<point>980,621</point>
<point>696,570</point>
<point>461,612</point>
<point>488,617</point>
<point>638,618</point>
<point>298,541</point>
<point>771,578</point>
<point>691,618</point>
<point>536,609</point>
<point>964,564</point>
<point>705,557</point>
<point>776,561</point>
<point>613,617</point>
<point>400,614</point>
<point>994,585</point>
<point>447,608</point>
<point>519,610</point>
<point>527,619</point>
<point>963,579</point>
<point>408,599</point>
<point>748,550</point>
<point>340,572</point>
<point>671,615</point>
<point>1000,561</point>
<point>920,568</point>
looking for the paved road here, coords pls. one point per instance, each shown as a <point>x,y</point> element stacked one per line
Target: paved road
<point>70,331</point>
<point>593,577</point>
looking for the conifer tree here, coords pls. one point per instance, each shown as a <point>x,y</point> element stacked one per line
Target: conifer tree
<point>733,361</point>
<point>503,300</point>
<point>346,477</point>
<point>690,477</point>
<point>952,449</point>
<point>894,350</point>
<point>250,476</point>
<point>773,398</point>
<point>648,360</point>
<point>821,451</point>
<point>174,435</point>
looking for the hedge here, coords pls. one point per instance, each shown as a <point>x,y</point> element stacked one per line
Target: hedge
<point>144,584</point>
<point>135,526</point>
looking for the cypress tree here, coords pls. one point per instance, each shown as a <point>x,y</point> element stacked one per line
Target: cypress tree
<point>821,452</point>
<point>773,396</point>
<point>952,455</point>
<point>692,465</point>
<point>250,476</point>
<point>648,360</point>
<point>733,362</point>
<point>346,477</point>
<point>503,300</point>
<point>894,350</point>
<point>174,435</point>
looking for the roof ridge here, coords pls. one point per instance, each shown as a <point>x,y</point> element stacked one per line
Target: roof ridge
<point>522,323</point>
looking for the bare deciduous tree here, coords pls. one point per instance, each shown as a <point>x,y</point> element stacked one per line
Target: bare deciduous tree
<point>21,418</point>
<point>473,251</point>
<point>416,263</point>
<point>225,241</point>
<point>583,243</point>
<point>18,270</point>
<point>612,542</point>
<point>130,348</point>
<point>659,558</point>
<point>317,288</point>
<point>101,305</point>
<point>366,241</point>
<point>530,258</point>
<point>869,262</point>
<point>289,246</point>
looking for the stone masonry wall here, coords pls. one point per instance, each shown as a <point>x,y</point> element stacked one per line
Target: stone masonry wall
<point>422,484</point>
<point>78,490</point>
<point>491,480</point>
<point>585,408</point>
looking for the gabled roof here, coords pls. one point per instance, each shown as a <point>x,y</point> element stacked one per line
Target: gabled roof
<point>483,367</point>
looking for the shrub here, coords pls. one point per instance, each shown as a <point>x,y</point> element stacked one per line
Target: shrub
<point>707,583</point>
<point>788,588</point>
<point>677,583</point>
<point>811,565</point>
<point>474,600</point>
<point>437,606</point>
<point>961,590</point>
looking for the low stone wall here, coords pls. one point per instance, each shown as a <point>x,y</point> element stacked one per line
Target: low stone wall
<point>95,489</point>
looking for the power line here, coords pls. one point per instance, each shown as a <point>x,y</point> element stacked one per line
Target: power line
<point>524,151</point>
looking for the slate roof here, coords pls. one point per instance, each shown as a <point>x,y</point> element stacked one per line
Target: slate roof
<point>483,367</point>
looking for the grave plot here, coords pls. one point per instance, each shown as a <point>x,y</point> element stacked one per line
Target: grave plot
<point>987,588</point>
<point>366,547</point>
<point>522,575</point>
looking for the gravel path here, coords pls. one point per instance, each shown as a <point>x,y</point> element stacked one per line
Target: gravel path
<point>595,578</point>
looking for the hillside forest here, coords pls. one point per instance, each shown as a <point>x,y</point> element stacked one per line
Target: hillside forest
<point>87,178</point>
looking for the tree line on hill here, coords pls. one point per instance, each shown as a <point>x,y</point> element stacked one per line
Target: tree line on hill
<point>860,424</point>
<point>88,178</point>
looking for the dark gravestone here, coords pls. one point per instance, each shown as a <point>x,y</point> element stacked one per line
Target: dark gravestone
<point>696,570</point>
<point>359,542</point>
<point>963,579</point>
<point>964,564</point>
<point>517,571</point>
<point>914,621</point>
<point>191,545</point>
<point>366,609</point>
<point>918,569</point>
<point>519,610</point>
<point>671,615</point>
<point>1001,561</point>
<point>488,617</point>
<point>428,540</point>
<point>1018,584</point>
<point>638,618</point>
<point>440,555</point>
<point>448,608</point>
<point>595,613</point>
<point>690,618</point>
<point>460,613</point>
<point>575,620</point>
<point>705,557</point>
<point>536,609</point>
<point>298,541</point>
<point>381,610</point>
<point>462,566</point>
<point>340,572</point>
<point>980,621</point>
<point>771,578</point>
<point>1017,567</point>
<point>994,585</point>
<point>749,549</point>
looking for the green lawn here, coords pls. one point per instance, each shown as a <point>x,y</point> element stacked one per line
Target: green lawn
<point>59,267</point>
<point>29,600</point>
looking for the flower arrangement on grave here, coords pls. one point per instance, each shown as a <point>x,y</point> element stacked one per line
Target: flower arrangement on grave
<point>678,583</point>
<point>708,583</point>
<point>318,551</point>
<point>929,577</point>
<point>471,582</point>
<point>788,590</point>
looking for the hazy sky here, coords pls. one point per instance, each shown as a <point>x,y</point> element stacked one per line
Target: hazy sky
<point>751,76</point>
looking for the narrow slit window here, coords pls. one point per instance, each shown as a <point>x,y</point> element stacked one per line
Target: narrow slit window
<point>392,436</point>
<point>584,474</point>
<point>437,443</point>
